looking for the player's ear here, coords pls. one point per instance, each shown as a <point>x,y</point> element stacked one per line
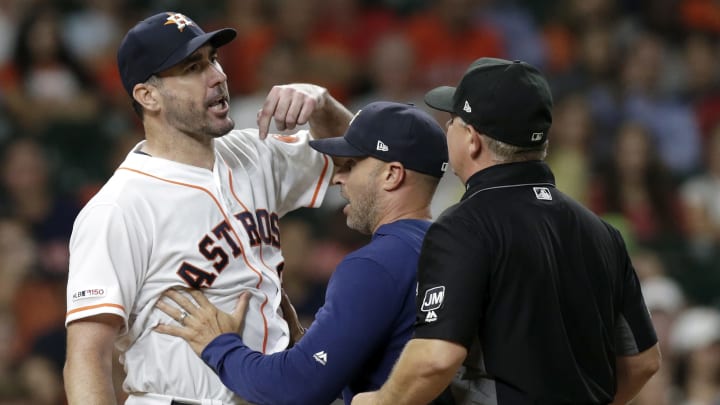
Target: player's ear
<point>393,175</point>
<point>147,96</point>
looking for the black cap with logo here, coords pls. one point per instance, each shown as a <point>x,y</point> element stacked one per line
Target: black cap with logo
<point>392,132</point>
<point>507,100</point>
<point>161,42</point>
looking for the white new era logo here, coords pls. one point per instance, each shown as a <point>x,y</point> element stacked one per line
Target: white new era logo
<point>320,357</point>
<point>431,317</point>
<point>381,146</point>
<point>466,107</point>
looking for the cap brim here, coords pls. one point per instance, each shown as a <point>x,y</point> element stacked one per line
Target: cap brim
<point>440,98</point>
<point>215,38</point>
<point>336,147</point>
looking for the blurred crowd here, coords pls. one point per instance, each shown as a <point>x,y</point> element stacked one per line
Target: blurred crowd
<point>636,138</point>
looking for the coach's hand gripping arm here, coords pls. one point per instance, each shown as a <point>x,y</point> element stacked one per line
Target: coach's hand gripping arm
<point>291,317</point>
<point>299,103</point>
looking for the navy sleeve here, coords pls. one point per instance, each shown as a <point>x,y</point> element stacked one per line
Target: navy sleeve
<point>334,348</point>
<point>452,282</point>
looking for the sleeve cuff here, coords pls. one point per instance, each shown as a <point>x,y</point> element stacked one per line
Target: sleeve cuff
<point>214,353</point>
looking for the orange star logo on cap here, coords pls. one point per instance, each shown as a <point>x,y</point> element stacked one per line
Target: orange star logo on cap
<point>180,20</point>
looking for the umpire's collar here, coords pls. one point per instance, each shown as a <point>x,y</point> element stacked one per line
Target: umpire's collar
<point>534,172</point>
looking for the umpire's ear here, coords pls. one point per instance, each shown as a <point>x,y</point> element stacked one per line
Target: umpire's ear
<point>147,95</point>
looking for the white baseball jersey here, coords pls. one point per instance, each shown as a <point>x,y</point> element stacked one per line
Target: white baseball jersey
<point>158,224</point>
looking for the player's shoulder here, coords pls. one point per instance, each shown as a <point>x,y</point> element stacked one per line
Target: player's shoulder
<point>251,136</point>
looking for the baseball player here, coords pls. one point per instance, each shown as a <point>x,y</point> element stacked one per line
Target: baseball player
<point>196,204</point>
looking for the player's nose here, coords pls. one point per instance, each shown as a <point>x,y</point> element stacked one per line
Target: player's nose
<point>338,179</point>
<point>218,74</point>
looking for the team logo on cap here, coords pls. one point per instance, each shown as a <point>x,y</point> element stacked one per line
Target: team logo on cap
<point>180,20</point>
<point>467,108</point>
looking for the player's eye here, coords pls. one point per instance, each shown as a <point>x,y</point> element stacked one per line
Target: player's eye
<point>349,164</point>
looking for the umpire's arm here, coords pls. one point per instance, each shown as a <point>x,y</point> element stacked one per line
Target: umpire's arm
<point>633,372</point>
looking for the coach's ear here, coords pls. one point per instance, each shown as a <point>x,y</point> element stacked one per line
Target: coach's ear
<point>147,96</point>
<point>393,175</point>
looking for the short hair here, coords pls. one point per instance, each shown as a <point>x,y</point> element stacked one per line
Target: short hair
<point>506,153</point>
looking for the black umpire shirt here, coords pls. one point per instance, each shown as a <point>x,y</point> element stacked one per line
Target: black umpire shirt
<point>540,291</point>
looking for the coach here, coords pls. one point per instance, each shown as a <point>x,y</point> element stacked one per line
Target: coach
<point>525,296</point>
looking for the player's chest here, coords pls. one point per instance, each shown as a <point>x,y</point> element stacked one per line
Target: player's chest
<point>202,233</point>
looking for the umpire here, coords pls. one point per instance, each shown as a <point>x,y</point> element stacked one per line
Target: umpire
<point>525,296</point>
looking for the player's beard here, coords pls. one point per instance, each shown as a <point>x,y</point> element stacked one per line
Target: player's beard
<point>363,212</point>
<point>194,118</point>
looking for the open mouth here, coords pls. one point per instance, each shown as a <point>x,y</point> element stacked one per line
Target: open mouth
<point>219,104</point>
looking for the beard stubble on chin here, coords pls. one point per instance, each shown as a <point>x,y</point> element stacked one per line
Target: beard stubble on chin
<point>195,118</point>
<point>363,212</point>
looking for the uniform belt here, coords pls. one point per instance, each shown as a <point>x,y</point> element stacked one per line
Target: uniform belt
<point>176,402</point>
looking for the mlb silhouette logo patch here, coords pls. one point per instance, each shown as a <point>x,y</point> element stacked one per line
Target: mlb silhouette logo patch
<point>542,193</point>
<point>536,136</point>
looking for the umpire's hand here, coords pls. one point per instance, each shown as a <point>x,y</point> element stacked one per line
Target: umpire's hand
<point>200,322</point>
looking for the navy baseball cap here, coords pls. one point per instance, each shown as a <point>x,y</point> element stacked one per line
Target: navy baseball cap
<point>507,100</point>
<point>392,132</point>
<point>161,42</point>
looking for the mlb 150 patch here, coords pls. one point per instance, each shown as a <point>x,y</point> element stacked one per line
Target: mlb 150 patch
<point>89,293</point>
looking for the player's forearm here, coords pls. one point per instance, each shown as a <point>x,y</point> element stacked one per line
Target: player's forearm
<point>88,380</point>
<point>89,358</point>
<point>331,120</point>
<point>423,371</point>
<point>254,376</point>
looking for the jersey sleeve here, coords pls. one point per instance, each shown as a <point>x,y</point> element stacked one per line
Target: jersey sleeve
<point>361,301</point>
<point>452,285</point>
<point>634,331</point>
<point>301,173</point>
<point>105,255</point>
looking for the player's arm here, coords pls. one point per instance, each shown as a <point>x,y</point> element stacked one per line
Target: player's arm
<point>89,358</point>
<point>423,371</point>
<point>295,104</point>
<point>632,372</point>
<point>358,314</point>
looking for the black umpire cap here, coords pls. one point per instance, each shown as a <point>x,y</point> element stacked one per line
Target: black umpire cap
<point>507,100</point>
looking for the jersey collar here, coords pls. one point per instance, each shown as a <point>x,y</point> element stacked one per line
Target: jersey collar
<point>510,174</point>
